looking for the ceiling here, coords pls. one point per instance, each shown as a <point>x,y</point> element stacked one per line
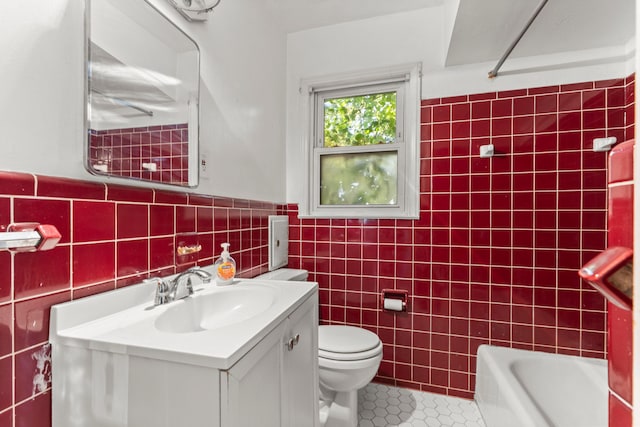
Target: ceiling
<point>298,15</point>
<point>484,29</point>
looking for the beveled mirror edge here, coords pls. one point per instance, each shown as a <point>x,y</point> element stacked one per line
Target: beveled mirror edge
<point>193,179</point>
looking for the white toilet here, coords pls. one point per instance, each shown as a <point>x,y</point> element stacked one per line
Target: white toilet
<point>348,360</point>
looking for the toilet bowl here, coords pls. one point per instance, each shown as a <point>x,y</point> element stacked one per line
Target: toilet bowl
<point>348,359</point>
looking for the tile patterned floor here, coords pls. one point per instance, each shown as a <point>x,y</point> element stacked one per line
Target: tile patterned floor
<point>385,406</point>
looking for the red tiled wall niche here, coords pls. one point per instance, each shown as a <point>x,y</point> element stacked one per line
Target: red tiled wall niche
<point>495,253</point>
<point>112,236</point>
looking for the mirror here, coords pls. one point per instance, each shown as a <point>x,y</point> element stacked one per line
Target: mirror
<point>143,76</point>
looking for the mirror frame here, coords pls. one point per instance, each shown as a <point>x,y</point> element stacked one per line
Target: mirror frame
<point>193,119</point>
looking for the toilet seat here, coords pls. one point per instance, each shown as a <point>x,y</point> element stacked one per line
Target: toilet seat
<point>347,343</point>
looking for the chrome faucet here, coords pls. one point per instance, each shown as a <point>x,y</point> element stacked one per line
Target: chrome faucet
<point>167,291</point>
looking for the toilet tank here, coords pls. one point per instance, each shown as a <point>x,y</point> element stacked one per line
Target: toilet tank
<point>288,274</point>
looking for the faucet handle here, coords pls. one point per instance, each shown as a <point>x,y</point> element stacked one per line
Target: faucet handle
<point>162,290</point>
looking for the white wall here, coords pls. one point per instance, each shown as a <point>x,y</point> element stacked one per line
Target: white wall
<point>421,35</point>
<point>242,94</point>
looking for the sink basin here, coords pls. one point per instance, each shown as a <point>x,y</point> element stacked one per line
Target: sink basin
<point>215,310</point>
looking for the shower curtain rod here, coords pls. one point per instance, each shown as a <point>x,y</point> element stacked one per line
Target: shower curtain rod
<point>493,73</point>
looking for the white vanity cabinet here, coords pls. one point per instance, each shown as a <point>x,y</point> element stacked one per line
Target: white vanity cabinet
<point>114,364</point>
<point>276,383</point>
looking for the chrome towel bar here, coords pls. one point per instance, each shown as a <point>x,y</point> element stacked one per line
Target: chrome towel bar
<point>29,237</point>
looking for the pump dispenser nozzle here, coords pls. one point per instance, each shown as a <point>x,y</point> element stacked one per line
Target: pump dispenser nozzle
<point>225,251</point>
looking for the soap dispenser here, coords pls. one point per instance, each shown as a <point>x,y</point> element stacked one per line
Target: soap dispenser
<point>225,267</point>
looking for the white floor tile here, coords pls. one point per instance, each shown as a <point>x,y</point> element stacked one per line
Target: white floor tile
<point>381,405</point>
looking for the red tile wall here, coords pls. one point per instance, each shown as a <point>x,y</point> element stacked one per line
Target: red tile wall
<point>124,151</point>
<point>112,236</point>
<point>494,256</point>
<point>620,320</point>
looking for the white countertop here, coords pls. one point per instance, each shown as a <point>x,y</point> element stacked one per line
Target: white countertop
<point>123,321</point>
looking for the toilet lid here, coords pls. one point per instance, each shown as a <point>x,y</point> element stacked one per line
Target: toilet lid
<point>346,339</point>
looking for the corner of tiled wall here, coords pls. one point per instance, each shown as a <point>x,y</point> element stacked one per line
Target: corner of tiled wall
<point>494,256</point>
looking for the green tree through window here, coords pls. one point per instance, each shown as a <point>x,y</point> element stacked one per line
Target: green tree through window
<point>360,120</point>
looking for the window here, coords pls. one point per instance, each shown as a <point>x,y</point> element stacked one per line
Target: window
<point>363,145</point>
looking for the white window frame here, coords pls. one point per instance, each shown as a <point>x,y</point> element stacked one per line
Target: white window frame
<point>405,80</point>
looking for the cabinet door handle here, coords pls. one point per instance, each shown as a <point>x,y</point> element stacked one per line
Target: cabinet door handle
<point>292,342</point>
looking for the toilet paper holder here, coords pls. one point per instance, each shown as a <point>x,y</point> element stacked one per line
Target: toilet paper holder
<point>392,297</point>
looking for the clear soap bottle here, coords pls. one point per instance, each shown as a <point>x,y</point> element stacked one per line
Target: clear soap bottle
<point>225,267</point>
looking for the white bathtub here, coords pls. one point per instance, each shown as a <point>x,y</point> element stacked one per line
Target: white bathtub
<point>519,388</point>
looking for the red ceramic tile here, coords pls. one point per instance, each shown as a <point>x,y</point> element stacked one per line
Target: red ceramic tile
<point>19,184</point>
<point>621,162</point>
<point>620,347</point>
<point>93,263</point>
<point>454,99</point>
<point>546,103</point>
<point>616,97</point>
<point>5,276</point>
<point>523,106</point>
<point>132,221</point>
<point>170,197</point>
<point>41,272</point>
<point>54,212</point>
<point>480,128</point>
<point>5,213</point>
<point>523,125</point>
<point>129,194</point>
<point>576,86</point>
<point>460,111</point>
<point>185,219</point>
<point>594,119</point>
<point>620,413</point>
<point>68,188</point>
<point>570,101</point>
<point>6,418</point>
<point>132,257</point>
<point>95,289</point>
<point>441,113</point>
<point>501,108</point>
<point>6,376</point>
<point>93,221</point>
<point>482,96</point>
<point>161,220</point>
<point>594,99</point>
<point>546,123</point>
<point>34,412</point>
<point>481,109</point>
<point>204,221</point>
<point>543,90</point>
<point>6,328</point>
<point>31,324</point>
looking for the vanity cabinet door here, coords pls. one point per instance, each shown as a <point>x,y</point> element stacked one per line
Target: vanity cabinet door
<point>300,366</point>
<point>252,388</point>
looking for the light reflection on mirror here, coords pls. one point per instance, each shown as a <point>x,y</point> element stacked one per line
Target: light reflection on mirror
<point>142,94</point>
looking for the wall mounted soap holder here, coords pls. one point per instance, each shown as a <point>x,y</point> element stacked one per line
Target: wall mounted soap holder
<point>611,274</point>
